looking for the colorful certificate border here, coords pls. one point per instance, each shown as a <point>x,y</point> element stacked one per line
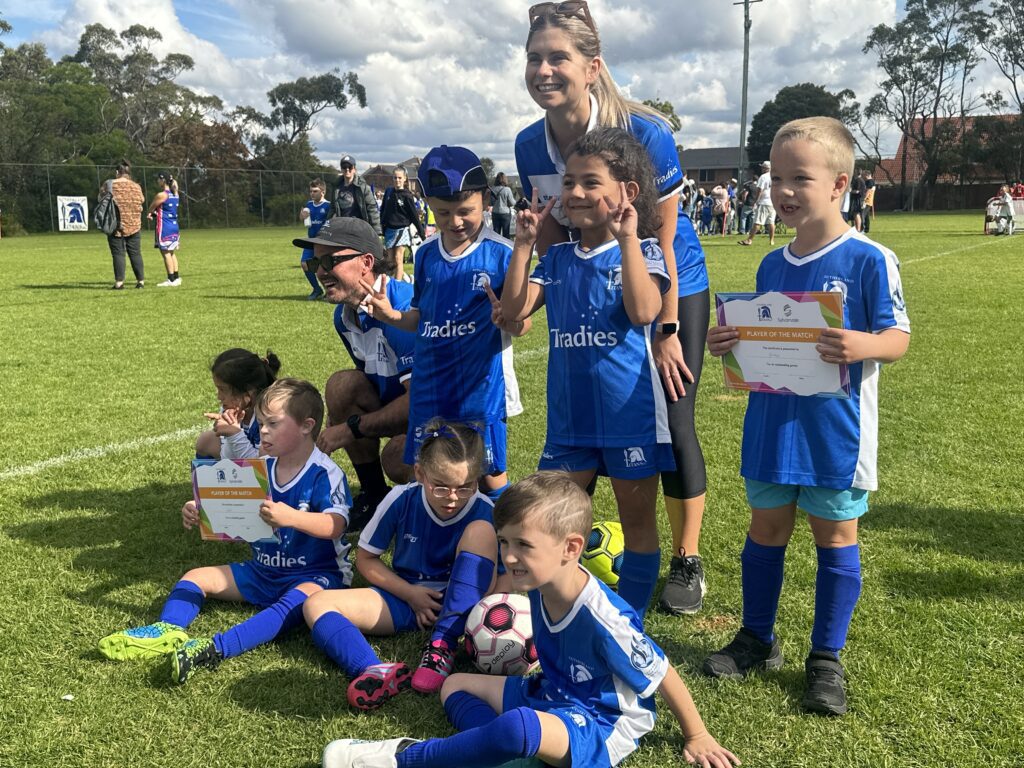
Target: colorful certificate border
<point>259,468</point>
<point>831,310</point>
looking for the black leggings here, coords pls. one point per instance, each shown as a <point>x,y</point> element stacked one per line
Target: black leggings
<point>690,478</point>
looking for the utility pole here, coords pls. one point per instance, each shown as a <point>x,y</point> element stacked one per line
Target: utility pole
<point>743,109</point>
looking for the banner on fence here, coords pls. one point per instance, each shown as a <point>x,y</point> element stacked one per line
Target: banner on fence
<point>73,213</point>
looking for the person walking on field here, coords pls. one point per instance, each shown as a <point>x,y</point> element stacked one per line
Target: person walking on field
<point>130,200</point>
<point>164,212</point>
<point>764,211</point>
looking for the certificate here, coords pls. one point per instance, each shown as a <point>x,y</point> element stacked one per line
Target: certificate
<point>778,333</point>
<point>228,493</point>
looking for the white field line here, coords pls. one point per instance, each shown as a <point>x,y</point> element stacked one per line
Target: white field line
<point>986,244</point>
<point>97,452</point>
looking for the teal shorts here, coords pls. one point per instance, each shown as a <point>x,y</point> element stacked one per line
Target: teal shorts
<point>826,503</point>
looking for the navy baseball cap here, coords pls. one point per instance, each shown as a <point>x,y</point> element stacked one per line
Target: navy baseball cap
<point>447,171</point>
<point>347,160</point>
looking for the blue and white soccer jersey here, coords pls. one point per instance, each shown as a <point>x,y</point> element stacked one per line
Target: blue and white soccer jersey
<point>462,359</point>
<point>603,388</point>
<point>425,545</point>
<point>244,444</point>
<point>292,557</point>
<point>381,351</point>
<point>319,213</point>
<point>166,231</point>
<point>600,673</point>
<point>541,166</point>
<point>823,441</point>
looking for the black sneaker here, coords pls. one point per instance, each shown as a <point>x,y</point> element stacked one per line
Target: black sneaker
<point>826,685</point>
<point>683,593</point>
<point>363,507</point>
<point>745,653</point>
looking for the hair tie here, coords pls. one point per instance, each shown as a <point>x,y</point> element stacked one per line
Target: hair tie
<point>443,431</point>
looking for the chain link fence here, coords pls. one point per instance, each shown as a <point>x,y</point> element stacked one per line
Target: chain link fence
<point>210,197</point>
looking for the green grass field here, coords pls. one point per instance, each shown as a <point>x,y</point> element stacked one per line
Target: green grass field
<point>102,395</point>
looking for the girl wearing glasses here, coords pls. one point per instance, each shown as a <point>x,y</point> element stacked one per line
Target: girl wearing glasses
<point>568,79</point>
<point>444,551</point>
<point>398,212</point>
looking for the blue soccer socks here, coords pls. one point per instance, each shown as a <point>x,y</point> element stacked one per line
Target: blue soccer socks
<point>342,641</point>
<point>837,589</point>
<point>513,734</point>
<point>278,618</point>
<point>183,604</point>
<point>466,711</point>
<point>471,577</point>
<point>496,493</point>
<point>762,586</point>
<point>638,578</point>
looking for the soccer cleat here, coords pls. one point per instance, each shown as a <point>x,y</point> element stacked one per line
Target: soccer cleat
<point>684,590</point>
<point>191,656</point>
<point>435,666</point>
<point>363,508</point>
<point>378,683</point>
<point>826,685</point>
<point>150,641</point>
<point>356,753</point>
<point>744,654</point>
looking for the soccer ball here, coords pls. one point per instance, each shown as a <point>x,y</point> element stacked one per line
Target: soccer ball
<point>603,555</point>
<point>499,635</point>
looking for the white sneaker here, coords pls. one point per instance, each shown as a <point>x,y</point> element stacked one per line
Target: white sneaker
<point>165,284</point>
<point>176,282</point>
<point>356,753</point>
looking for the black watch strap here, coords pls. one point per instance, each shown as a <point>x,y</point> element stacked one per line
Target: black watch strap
<point>668,329</point>
<point>353,425</point>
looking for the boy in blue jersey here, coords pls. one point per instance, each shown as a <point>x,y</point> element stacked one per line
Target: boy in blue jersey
<point>314,216</point>
<point>309,512</point>
<point>594,699</point>
<point>463,358</point>
<point>371,401</point>
<point>818,454</point>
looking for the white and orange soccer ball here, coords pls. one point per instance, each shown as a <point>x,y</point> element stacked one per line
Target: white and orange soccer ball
<point>499,635</point>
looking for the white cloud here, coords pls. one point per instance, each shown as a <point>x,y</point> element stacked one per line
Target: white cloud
<point>451,71</point>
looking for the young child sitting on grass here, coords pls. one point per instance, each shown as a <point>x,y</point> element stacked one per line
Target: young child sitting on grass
<point>309,510</point>
<point>442,564</point>
<point>815,453</point>
<point>594,699</point>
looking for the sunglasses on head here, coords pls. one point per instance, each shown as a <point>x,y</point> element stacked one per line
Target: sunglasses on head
<point>330,260</point>
<point>577,9</point>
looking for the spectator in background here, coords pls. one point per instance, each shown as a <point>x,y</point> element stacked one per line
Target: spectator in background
<point>130,201</point>
<point>730,216</point>
<point>502,203</point>
<point>869,201</point>
<point>747,195</point>
<point>397,213</point>
<point>720,207</point>
<point>857,189</point>
<point>1017,189</point>
<point>764,211</point>
<point>353,197</point>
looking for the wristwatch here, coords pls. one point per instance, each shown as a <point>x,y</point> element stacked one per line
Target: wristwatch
<point>353,425</point>
<point>668,329</point>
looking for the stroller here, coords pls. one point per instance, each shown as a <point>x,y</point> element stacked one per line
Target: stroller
<point>997,223</point>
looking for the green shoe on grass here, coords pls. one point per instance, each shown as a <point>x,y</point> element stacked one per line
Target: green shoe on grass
<point>148,642</point>
<point>191,656</point>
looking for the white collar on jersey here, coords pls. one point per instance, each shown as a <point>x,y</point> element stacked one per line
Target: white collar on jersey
<point>583,597</point>
<point>483,234</point>
<point>797,261</point>
<point>553,153</point>
<point>594,251</point>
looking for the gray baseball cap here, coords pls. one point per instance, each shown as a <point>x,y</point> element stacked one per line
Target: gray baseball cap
<point>345,232</point>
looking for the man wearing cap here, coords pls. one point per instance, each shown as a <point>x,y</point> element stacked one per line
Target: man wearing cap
<point>764,211</point>
<point>371,401</point>
<point>353,196</point>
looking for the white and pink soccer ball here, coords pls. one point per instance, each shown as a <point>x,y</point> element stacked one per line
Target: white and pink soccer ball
<point>499,635</point>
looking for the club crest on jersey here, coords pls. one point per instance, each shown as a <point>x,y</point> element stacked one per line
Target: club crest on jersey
<point>480,281</point>
<point>615,279</point>
<point>634,457</point>
<point>578,720</point>
<point>580,673</point>
<point>641,654</point>
<point>836,286</point>
<point>897,301</point>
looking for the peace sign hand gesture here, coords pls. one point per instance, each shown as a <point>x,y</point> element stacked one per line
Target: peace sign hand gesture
<point>623,218</point>
<point>529,220</point>
<point>377,303</point>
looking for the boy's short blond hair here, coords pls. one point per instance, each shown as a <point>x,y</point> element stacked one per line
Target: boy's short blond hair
<point>828,133</point>
<point>298,398</point>
<point>553,503</point>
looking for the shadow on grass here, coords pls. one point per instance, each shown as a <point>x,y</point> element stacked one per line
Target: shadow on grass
<point>984,535</point>
<point>260,298</point>
<point>79,286</point>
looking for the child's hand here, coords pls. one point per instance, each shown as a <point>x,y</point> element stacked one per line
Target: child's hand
<point>276,513</point>
<point>622,215</point>
<point>705,751</point>
<point>529,220</point>
<point>839,345</point>
<point>722,338</point>
<point>377,303</point>
<point>512,327</point>
<point>425,604</point>
<point>228,422</point>
<point>189,515</point>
